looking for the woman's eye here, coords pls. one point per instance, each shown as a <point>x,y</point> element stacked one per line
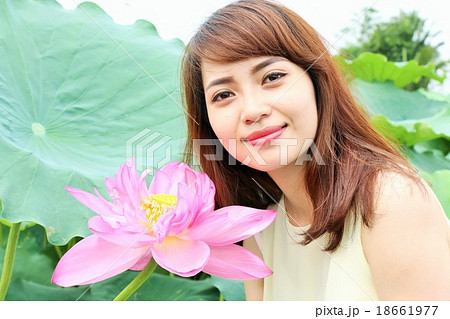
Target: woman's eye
<point>221,96</point>
<point>273,76</point>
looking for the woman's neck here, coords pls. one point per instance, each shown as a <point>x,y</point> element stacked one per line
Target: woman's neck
<point>298,205</point>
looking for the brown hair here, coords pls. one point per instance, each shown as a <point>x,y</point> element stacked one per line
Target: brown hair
<point>354,152</point>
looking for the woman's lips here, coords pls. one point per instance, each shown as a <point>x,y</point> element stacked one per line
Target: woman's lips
<point>267,138</point>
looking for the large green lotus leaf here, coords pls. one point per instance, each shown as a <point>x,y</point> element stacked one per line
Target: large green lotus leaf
<point>431,156</point>
<point>375,67</point>
<point>435,95</point>
<point>34,266</point>
<point>32,260</point>
<point>157,288</point>
<point>428,161</point>
<point>440,181</point>
<point>232,290</point>
<point>26,290</point>
<point>70,99</point>
<point>413,131</point>
<point>23,225</point>
<point>439,147</point>
<point>398,105</point>
<point>410,117</point>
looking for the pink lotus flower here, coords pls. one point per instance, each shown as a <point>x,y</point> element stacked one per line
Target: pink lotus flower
<point>172,221</point>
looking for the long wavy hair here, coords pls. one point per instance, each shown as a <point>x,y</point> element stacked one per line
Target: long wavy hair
<point>353,151</point>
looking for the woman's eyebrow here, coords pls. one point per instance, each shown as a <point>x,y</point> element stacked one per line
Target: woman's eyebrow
<point>266,62</point>
<point>254,69</point>
<point>218,81</point>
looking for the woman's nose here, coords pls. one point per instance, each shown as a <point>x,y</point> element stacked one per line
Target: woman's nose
<point>253,109</point>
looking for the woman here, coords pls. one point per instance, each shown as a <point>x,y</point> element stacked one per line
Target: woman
<point>355,221</point>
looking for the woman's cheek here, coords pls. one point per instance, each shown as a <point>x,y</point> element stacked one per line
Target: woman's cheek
<point>230,144</point>
<point>225,136</point>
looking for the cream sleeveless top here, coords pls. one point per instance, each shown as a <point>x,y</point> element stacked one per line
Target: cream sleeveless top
<point>307,272</point>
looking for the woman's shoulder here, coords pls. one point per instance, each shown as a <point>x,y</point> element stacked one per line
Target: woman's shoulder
<point>399,198</point>
<point>403,204</point>
<point>409,238</point>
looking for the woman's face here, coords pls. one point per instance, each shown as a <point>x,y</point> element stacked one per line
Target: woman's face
<point>274,92</point>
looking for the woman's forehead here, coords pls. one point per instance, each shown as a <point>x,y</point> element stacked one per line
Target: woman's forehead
<point>254,63</point>
<point>216,73</point>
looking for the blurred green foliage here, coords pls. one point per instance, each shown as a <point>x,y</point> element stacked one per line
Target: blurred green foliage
<point>402,38</point>
<point>34,168</point>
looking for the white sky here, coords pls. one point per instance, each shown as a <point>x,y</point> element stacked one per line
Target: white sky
<point>180,18</point>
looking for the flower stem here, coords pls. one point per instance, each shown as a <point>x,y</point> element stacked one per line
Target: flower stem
<point>1,235</point>
<point>8,261</point>
<point>44,243</point>
<point>58,251</point>
<point>137,282</point>
<point>71,243</point>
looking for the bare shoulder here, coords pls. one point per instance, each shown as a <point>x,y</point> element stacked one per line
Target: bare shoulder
<point>400,199</point>
<point>408,245</point>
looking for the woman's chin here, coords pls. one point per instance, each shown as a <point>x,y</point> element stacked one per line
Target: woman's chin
<point>270,164</point>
